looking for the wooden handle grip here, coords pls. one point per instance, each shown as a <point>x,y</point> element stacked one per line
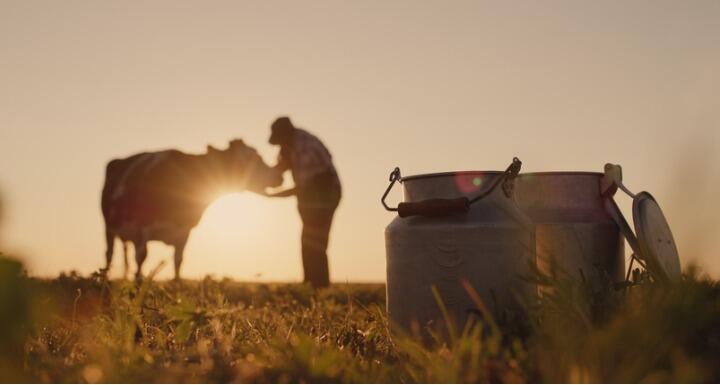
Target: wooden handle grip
<point>434,207</point>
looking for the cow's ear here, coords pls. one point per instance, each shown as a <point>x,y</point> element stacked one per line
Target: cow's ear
<point>236,143</point>
<point>211,149</point>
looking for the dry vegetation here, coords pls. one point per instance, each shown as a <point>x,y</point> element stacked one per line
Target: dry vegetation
<point>88,329</point>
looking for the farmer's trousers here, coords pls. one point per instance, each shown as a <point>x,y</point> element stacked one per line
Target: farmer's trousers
<point>317,203</point>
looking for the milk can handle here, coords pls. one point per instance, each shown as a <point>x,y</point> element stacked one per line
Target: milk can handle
<point>440,207</point>
<point>428,208</point>
<point>394,177</point>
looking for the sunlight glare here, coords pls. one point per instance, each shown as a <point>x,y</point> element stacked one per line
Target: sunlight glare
<point>223,216</point>
<point>248,237</point>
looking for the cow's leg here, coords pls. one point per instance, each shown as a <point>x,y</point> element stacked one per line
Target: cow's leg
<point>140,254</point>
<point>179,250</point>
<point>110,242</point>
<point>126,270</point>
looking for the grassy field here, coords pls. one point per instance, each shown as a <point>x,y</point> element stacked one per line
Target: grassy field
<point>88,329</point>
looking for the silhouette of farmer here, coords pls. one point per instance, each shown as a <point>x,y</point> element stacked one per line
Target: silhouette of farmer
<point>317,188</point>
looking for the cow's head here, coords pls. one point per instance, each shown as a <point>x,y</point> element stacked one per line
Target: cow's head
<point>241,168</point>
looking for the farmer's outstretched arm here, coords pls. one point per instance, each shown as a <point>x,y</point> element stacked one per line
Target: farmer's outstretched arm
<point>282,163</point>
<point>282,194</point>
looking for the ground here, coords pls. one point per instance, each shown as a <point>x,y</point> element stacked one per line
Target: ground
<point>89,329</point>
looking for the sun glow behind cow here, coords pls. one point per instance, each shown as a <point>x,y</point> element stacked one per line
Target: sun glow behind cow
<point>232,213</point>
<point>238,237</point>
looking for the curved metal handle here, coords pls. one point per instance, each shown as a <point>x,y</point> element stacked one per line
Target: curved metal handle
<point>507,179</point>
<point>440,207</point>
<point>510,173</point>
<point>394,177</point>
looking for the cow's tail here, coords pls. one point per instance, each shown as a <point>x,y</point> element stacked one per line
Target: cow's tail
<point>111,179</point>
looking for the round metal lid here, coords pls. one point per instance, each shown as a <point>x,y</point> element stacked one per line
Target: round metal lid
<point>655,238</point>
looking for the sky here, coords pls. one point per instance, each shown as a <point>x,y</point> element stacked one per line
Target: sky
<point>425,85</point>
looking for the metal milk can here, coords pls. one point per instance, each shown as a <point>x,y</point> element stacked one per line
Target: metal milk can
<point>455,229</point>
<point>574,233</point>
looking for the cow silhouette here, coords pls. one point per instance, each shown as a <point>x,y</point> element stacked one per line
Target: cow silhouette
<point>161,196</point>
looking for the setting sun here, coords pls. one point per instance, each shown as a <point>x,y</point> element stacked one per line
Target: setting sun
<point>246,236</point>
<point>234,211</point>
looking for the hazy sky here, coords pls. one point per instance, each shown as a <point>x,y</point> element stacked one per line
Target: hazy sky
<point>425,85</point>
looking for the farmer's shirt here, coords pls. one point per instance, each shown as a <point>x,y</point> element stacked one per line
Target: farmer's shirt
<point>306,158</point>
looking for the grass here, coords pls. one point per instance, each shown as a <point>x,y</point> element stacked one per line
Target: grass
<point>88,329</point>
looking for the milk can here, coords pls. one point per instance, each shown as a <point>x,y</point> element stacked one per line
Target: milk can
<point>454,227</point>
<point>574,233</point>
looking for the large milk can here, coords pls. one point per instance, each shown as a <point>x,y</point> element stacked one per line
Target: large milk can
<point>454,227</point>
<point>574,233</point>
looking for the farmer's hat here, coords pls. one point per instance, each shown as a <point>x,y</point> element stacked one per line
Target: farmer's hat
<point>281,128</point>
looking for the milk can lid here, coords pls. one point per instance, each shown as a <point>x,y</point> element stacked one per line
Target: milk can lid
<point>655,238</point>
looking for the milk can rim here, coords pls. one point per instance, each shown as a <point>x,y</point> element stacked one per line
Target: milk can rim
<point>569,173</point>
<point>449,173</point>
<point>454,173</point>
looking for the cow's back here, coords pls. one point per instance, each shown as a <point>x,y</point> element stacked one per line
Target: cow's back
<point>149,187</point>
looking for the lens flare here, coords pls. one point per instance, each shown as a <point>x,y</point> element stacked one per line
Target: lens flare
<point>468,183</point>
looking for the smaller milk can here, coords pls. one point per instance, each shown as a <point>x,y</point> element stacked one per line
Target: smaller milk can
<point>574,233</point>
<point>454,231</point>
